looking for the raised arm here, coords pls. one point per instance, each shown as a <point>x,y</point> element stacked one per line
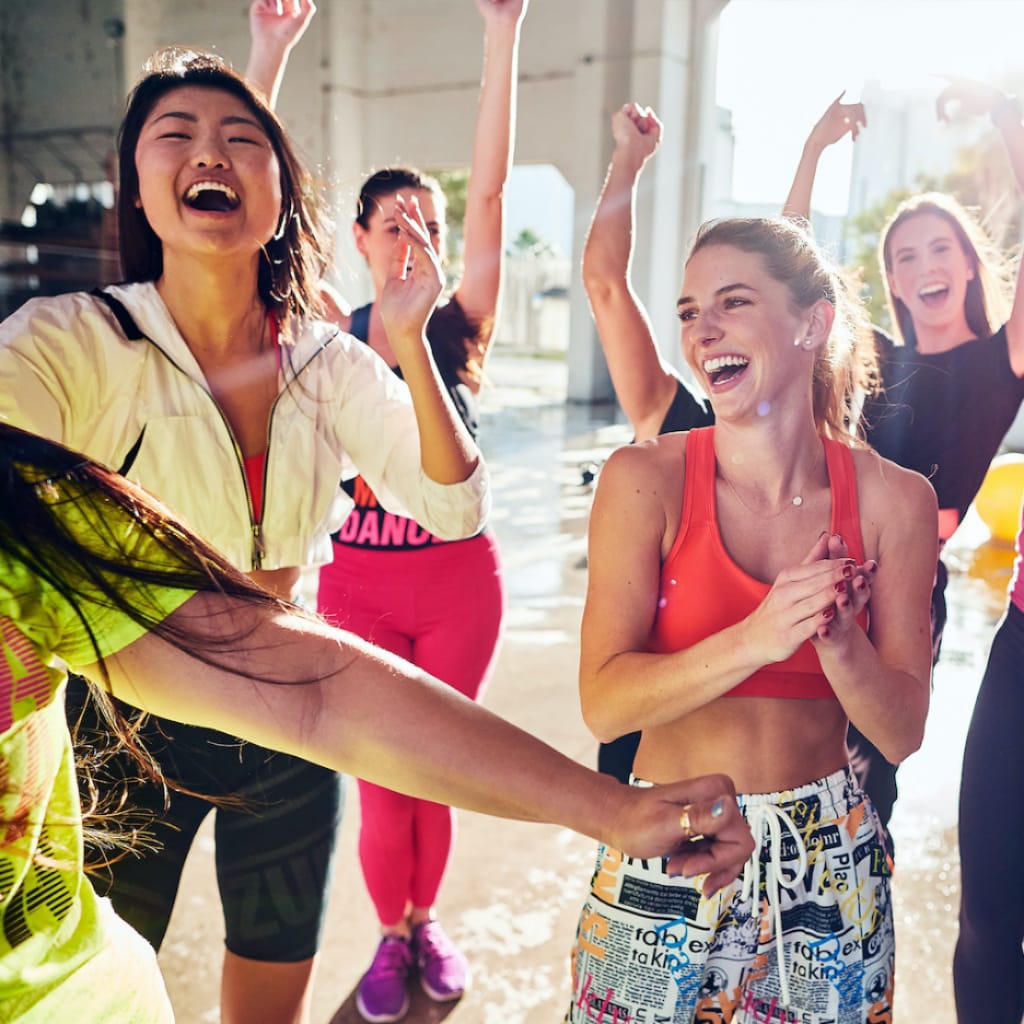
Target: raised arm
<point>493,138</point>
<point>839,120</point>
<point>1005,111</point>
<point>275,26</point>
<point>644,383</point>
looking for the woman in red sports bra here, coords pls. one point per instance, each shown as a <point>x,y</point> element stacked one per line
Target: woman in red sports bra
<point>753,587</point>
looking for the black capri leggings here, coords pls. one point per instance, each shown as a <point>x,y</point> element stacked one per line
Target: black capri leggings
<point>274,844</point>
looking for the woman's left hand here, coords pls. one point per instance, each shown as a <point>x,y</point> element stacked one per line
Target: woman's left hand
<point>415,278</point>
<point>849,604</point>
<point>976,98</point>
<point>696,824</point>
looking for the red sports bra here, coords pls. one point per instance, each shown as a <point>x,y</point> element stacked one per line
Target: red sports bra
<point>255,466</point>
<point>703,590</point>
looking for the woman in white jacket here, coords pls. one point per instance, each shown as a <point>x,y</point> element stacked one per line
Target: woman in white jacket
<point>208,380</point>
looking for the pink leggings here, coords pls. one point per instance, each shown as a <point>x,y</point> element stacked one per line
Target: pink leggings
<point>439,607</point>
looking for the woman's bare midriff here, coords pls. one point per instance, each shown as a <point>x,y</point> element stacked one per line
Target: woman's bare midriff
<point>765,744</point>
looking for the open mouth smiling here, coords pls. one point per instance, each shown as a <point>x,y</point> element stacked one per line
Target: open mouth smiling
<point>724,368</point>
<point>212,196</point>
<point>933,294</point>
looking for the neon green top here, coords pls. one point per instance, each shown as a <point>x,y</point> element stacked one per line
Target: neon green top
<point>55,933</point>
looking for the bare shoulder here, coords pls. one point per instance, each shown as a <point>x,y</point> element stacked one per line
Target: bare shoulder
<point>646,466</point>
<point>891,496</point>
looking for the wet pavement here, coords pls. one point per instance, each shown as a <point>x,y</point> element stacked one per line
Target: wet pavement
<point>514,890</point>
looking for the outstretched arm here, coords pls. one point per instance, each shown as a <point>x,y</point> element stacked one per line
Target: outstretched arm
<point>839,120</point>
<point>1005,111</point>
<point>338,701</point>
<point>644,383</point>
<point>275,26</point>
<point>493,139</point>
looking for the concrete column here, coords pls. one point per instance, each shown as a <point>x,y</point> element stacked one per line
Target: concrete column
<point>343,55</point>
<point>662,54</point>
<point>602,77</point>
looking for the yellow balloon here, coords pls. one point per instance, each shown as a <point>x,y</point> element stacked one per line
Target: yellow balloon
<point>999,499</point>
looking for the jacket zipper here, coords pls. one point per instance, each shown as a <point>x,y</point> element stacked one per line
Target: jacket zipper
<point>256,526</point>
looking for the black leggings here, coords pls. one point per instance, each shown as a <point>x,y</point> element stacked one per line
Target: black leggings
<point>274,851</point>
<point>988,966</point>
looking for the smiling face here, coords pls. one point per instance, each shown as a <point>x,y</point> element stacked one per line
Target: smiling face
<point>928,270</point>
<point>742,335</point>
<point>209,182</point>
<point>376,241</point>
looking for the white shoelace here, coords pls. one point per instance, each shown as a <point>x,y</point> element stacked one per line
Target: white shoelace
<point>770,818</point>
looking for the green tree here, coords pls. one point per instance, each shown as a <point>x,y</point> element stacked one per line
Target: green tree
<point>529,243</point>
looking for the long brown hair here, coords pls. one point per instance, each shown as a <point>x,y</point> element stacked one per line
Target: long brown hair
<point>846,366</point>
<point>986,304</point>
<point>76,528</point>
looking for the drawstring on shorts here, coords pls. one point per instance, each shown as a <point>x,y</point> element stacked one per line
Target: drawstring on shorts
<point>766,822</point>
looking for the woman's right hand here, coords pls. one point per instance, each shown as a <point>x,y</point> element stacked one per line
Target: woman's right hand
<point>825,591</point>
<point>839,119</point>
<point>414,280</point>
<point>279,23</point>
<point>636,131</point>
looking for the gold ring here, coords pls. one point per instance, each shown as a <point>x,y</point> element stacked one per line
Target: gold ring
<point>684,822</point>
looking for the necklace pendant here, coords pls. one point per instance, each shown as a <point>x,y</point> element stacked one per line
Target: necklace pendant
<point>798,500</point>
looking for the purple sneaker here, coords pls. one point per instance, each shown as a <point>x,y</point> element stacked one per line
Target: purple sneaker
<point>382,994</point>
<point>443,969</point>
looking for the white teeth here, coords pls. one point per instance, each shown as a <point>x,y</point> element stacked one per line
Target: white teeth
<point>721,362</point>
<point>211,186</point>
<point>932,289</point>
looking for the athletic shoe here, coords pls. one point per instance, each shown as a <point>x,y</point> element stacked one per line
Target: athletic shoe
<point>443,969</point>
<point>382,994</point>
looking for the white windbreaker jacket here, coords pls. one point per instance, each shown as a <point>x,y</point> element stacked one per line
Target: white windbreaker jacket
<point>70,372</point>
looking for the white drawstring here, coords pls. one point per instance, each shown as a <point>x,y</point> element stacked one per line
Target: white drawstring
<point>764,816</point>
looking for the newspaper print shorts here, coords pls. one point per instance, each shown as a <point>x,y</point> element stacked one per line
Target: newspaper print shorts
<point>650,949</point>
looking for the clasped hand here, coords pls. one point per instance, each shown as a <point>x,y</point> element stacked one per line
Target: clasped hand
<point>817,600</point>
